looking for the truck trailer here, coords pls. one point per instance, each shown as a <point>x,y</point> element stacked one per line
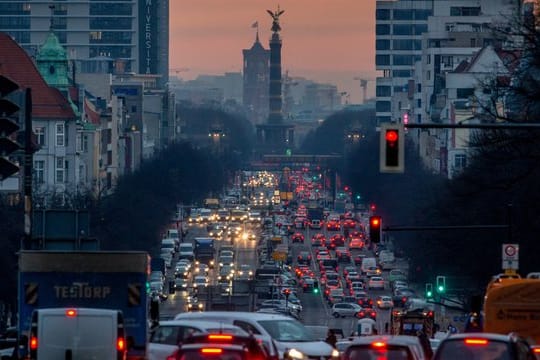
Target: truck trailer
<point>93,279</point>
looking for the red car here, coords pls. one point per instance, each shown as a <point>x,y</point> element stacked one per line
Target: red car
<point>333,225</point>
<point>367,314</point>
<point>349,223</point>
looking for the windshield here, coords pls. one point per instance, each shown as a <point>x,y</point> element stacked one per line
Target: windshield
<point>286,330</point>
<point>480,350</point>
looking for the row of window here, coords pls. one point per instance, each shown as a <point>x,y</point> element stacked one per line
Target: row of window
<point>396,59</point>
<point>60,135</point>
<point>60,170</point>
<point>403,14</point>
<point>402,44</point>
<point>400,29</point>
<point>110,37</point>
<point>109,9</point>
<point>111,23</point>
<point>114,52</point>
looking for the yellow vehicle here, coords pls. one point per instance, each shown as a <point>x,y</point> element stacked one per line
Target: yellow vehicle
<point>512,305</point>
<point>410,322</point>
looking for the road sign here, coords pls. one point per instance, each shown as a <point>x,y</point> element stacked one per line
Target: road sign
<point>279,256</point>
<point>510,256</point>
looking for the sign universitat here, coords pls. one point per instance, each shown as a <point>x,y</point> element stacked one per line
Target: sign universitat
<point>148,37</point>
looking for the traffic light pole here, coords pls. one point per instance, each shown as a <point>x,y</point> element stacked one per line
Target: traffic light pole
<point>28,164</point>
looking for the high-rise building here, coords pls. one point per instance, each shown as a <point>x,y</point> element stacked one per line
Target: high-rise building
<point>398,46</point>
<point>256,81</point>
<point>126,36</point>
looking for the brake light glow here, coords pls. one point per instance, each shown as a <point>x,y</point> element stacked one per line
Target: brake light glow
<point>120,344</point>
<point>71,312</point>
<point>33,343</point>
<point>476,341</point>
<point>378,344</point>
<point>219,337</point>
<point>536,350</point>
<point>211,350</point>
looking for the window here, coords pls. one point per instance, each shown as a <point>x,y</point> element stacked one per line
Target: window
<point>383,91</point>
<point>400,89</point>
<point>382,29</point>
<point>382,44</point>
<point>40,136</point>
<point>383,106</point>
<point>406,44</point>
<point>247,327</point>
<point>403,59</point>
<point>60,177</point>
<point>428,75</point>
<point>403,14</point>
<point>60,134</point>
<point>418,103</point>
<point>460,161</point>
<point>403,29</point>
<point>464,11</point>
<point>447,61</point>
<point>39,171</point>
<point>421,14</point>
<point>428,59</point>
<point>382,59</point>
<point>419,88</point>
<point>402,73</point>
<point>382,14</point>
<point>418,118</point>
<point>383,119</point>
<point>419,29</point>
<point>464,93</point>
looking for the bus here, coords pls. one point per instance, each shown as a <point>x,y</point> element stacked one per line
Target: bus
<point>512,305</point>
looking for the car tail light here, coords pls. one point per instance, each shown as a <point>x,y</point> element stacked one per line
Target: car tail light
<point>404,299</point>
<point>378,344</point>
<point>71,312</point>
<point>220,337</point>
<point>536,350</point>
<point>120,344</point>
<point>373,314</point>
<point>476,341</point>
<point>211,350</point>
<point>33,343</point>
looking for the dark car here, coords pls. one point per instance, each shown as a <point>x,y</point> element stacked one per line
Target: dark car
<point>397,347</point>
<point>304,258</point>
<point>471,346</point>
<point>297,238</point>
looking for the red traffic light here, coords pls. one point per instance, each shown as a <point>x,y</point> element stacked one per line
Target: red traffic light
<point>375,221</point>
<point>392,135</point>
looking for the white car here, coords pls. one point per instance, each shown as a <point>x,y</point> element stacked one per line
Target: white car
<point>376,282</point>
<point>385,302</point>
<point>200,281</point>
<point>345,309</point>
<point>164,339</point>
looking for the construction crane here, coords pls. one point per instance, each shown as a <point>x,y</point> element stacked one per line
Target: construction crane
<point>363,86</point>
<point>178,70</point>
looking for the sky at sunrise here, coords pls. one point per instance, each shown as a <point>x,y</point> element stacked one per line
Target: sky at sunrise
<point>330,41</point>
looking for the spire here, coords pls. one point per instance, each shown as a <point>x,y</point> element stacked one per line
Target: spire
<point>52,7</point>
<point>257,35</point>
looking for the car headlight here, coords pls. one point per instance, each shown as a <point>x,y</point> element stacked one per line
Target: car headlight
<point>211,262</point>
<point>294,354</point>
<point>335,354</point>
<point>250,273</point>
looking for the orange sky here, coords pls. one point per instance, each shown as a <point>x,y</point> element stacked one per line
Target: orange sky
<point>324,40</point>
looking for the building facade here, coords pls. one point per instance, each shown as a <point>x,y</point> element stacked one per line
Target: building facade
<point>256,81</point>
<point>128,36</point>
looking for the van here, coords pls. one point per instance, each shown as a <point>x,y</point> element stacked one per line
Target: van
<point>415,304</point>
<point>77,333</point>
<point>367,263</point>
<point>285,332</point>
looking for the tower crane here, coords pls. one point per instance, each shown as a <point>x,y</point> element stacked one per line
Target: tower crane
<point>363,86</point>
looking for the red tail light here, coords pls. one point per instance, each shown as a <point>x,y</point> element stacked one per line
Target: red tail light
<point>120,344</point>
<point>378,344</point>
<point>71,312</point>
<point>219,337</point>
<point>536,350</point>
<point>404,299</point>
<point>33,343</point>
<point>211,350</point>
<point>476,341</point>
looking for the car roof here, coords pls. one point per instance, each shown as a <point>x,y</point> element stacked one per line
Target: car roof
<point>490,336</point>
<point>203,324</point>
<point>232,315</point>
<point>389,339</point>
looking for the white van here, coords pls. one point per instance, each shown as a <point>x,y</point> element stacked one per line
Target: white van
<point>286,332</point>
<point>77,333</point>
<point>367,263</point>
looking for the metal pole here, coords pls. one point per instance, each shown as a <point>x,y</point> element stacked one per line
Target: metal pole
<point>28,160</point>
<point>509,207</point>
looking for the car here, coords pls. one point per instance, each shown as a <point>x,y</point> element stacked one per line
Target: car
<point>356,243</point>
<point>376,282</point>
<point>164,338</point>
<point>304,257</point>
<point>396,274</point>
<point>228,346</point>
<point>180,284</point>
<point>200,281</point>
<point>297,237</point>
<point>536,351</point>
<point>349,223</point>
<point>384,302</point>
<point>282,330</point>
<point>333,225</point>
<point>399,284</point>
<point>483,346</point>
<point>344,309</point>
<point>358,259</point>
<point>244,272</point>
<point>363,299</point>
<point>367,313</point>
<point>396,347</point>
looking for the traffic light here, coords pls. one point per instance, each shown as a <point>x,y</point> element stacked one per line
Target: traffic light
<point>375,224</point>
<point>7,128</point>
<point>429,290</point>
<point>287,292</point>
<point>392,146</point>
<point>441,284</point>
<point>315,287</point>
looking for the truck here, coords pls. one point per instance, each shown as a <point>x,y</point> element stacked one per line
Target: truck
<point>205,251</point>
<point>114,280</point>
<point>512,304</point>
<point>315,213</point>
<point>410,322</point>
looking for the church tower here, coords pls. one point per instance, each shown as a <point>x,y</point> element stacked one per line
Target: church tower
<point>256,81</point>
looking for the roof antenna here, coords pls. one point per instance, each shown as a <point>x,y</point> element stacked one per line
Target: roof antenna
<point>52,7</point>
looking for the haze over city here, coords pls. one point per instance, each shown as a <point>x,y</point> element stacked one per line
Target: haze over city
<point>323,40</point>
